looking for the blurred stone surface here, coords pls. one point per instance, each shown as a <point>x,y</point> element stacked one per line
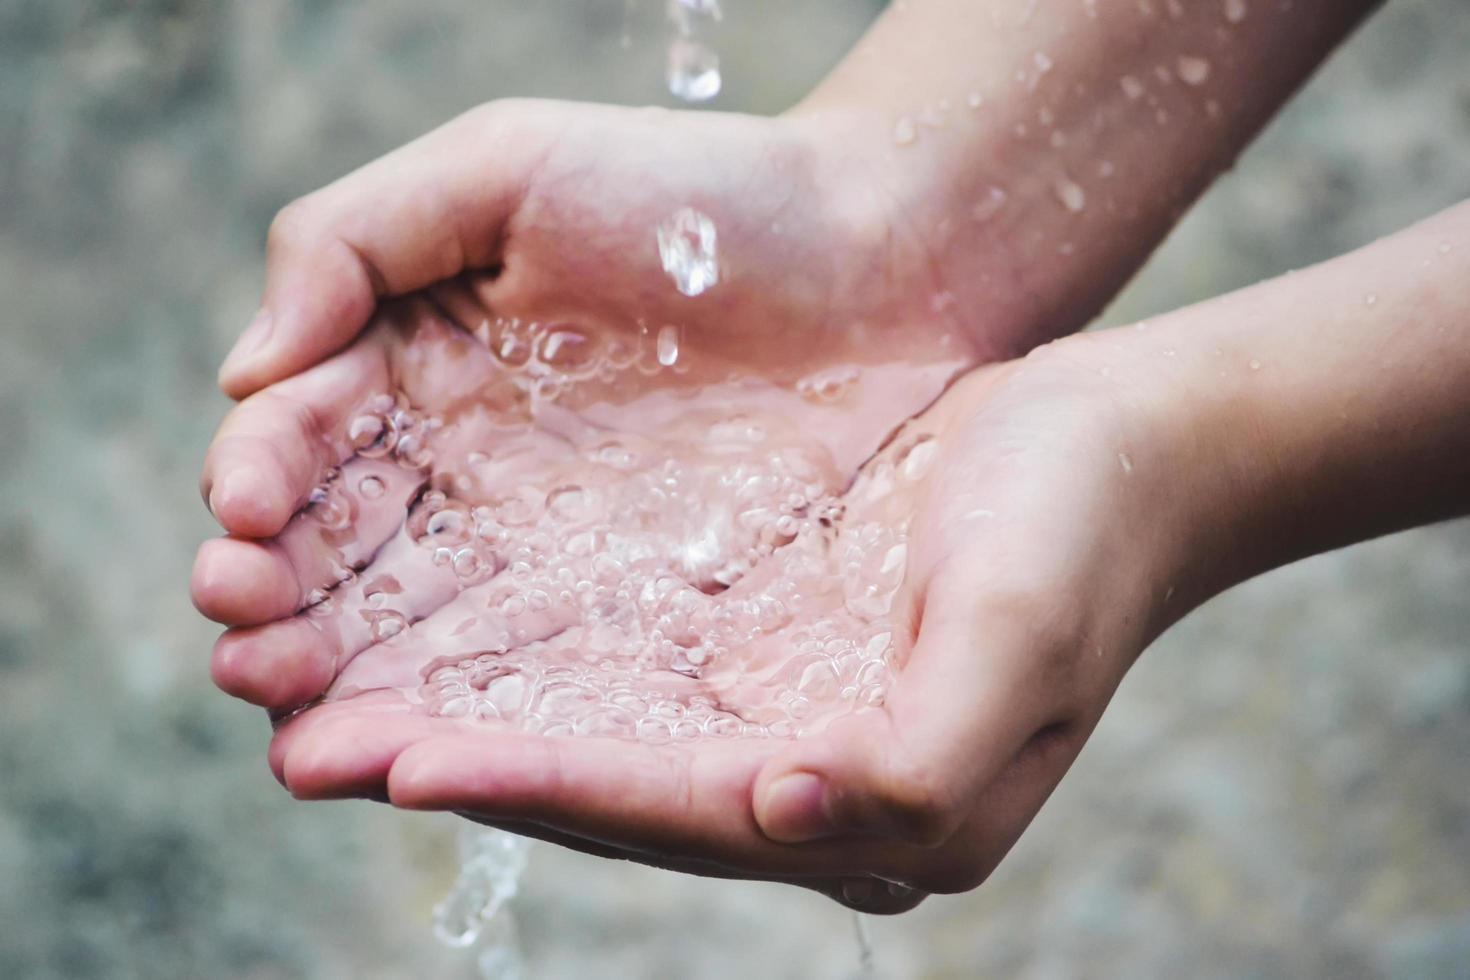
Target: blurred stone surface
<point>1281,788</point>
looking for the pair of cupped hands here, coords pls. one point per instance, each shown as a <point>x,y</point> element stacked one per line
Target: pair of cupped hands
<point>1040,558</point>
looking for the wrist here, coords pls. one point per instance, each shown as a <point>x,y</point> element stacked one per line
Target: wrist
<point>1304,414</point>
<point>957,258</point>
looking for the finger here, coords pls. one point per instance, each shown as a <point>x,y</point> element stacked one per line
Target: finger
<point>347,749</point>
<point>422,213</point>
<point>292,661</point>
<point>859,893</point>
<point>693,801</point>
<point>241,582</point>
<point>468,625</point>
<point>970,697</point>
<point>278,666</point>
<point>342,750</point>
<point>273,448</point>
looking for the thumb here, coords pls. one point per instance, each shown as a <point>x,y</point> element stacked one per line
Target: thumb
<point>961,710</point>
<point>423,213</point>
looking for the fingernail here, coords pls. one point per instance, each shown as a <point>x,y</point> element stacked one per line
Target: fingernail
<point>251,342</point>
<point>795,809</point>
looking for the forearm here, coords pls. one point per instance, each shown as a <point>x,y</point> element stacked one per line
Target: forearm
<point>1045,149</point>
<point>1315,411</point>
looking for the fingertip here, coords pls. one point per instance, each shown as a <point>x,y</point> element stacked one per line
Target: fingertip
<point>279,665</point>
<point>242,583</point>
<point>249,501</point>
<point>338,762</point>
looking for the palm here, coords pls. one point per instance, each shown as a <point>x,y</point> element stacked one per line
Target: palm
<point>551,472</point>
<point>990,501</point>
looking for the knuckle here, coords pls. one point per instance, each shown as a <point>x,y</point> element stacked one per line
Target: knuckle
<point>496,118</point>
<point>291,224</point>
<point>921,803</point>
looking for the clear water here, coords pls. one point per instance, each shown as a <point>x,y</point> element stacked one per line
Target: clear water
<point>625,551</point>
<point>608,533</point>
<point>693,69</point>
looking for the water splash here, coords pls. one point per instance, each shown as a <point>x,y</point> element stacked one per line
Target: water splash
<point>491,865</point>
<point>688,248</point>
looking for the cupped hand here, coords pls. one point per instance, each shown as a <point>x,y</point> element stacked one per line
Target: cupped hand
<point>549,211</point>
<point>1036,568</point>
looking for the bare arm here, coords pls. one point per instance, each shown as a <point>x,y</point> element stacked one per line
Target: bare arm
<point>1045,149</point>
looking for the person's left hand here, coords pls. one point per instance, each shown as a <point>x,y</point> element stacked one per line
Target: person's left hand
<point>1039,565</point>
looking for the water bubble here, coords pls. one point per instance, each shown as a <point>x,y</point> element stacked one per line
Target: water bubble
<point>668,345</point>
<point>1126,462</point>
<point>370,488</point>
<point>688,249</point>
<point>904,131</point>
<point>447,526</point>
<point>570,504</point>
<point>568,349</point>
<point>1235,10</point>
<point>511,343</point>
<point>372,436</point>
<point>830,385</point>
<point>384,625</point>
<point>1131,86</point>
<point>466,563</point>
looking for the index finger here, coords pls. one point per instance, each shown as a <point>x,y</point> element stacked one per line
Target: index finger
<point>420,214</point>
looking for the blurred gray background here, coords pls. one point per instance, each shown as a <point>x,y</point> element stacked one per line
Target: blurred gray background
<point>1282,788</point>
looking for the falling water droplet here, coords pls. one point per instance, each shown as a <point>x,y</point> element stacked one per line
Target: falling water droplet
<point>1131,86</point>
<point>1235,11</point>
<point>1125,461</point>
<point>693,71</point>
<point>688,248</point>
<point>1255,364</point>
<point>904,131</point>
